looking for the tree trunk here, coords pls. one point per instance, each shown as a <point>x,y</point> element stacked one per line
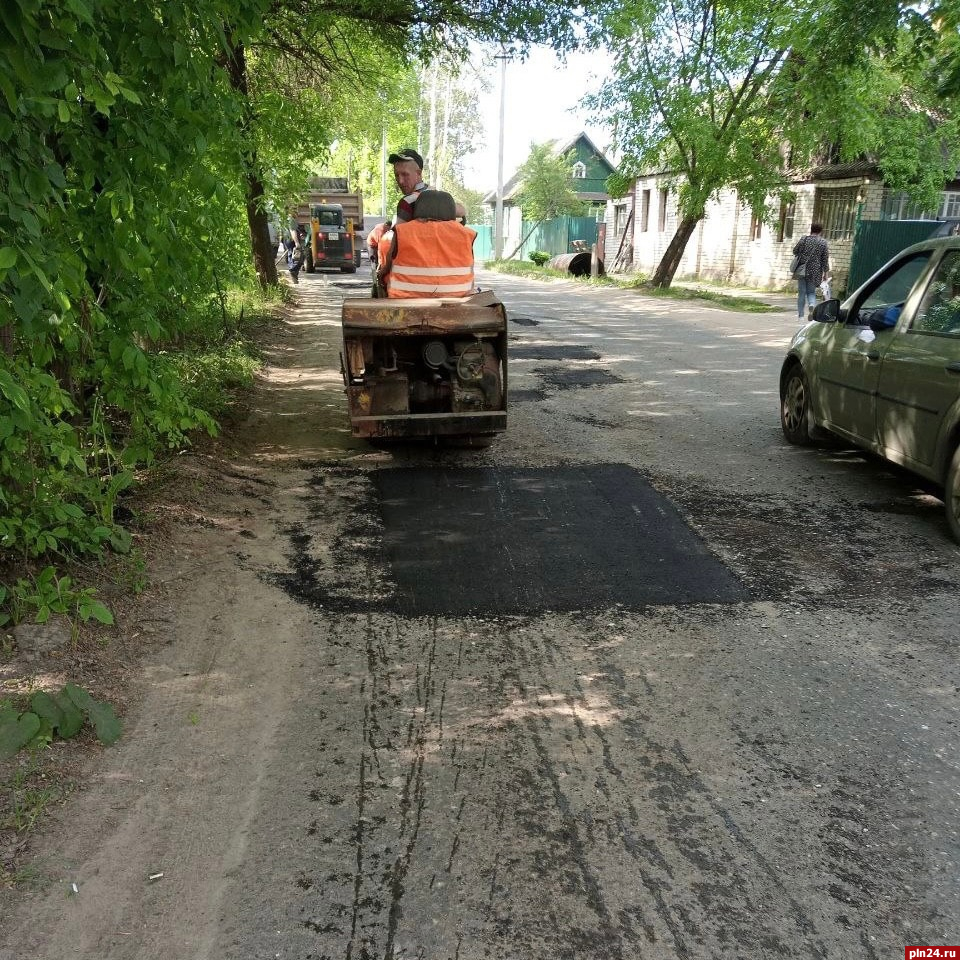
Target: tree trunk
<point>263,253</point>
<point>519,246</point>
<point>663,275</point>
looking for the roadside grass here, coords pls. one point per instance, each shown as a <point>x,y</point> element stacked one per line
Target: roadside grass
<point>523,268</point>
<point>27,806</point>
<point>217,373</point>
<point>31,788</point>
<point>726,301</point>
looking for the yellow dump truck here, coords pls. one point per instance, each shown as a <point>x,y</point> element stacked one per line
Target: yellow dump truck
<point>333,218</point>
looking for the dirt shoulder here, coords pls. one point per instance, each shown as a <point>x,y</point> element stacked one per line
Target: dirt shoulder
<point>187,614</point>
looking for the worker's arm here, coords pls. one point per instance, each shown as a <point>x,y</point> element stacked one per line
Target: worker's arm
<point>387,250</point>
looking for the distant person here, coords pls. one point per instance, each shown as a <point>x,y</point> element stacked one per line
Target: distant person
<point>296,246</point>
<point>814,257</point>
<point>408,172</point>
<point>288,236</point>
<point>431,256</point>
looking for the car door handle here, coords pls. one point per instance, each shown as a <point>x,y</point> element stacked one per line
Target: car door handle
<point>953,367</point>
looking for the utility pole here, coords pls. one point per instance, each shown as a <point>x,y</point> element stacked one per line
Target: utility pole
<point>498,219</point>
<point>383,170</point>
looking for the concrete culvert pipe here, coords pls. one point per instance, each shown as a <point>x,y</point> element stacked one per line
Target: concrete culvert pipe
<point>576,264</point>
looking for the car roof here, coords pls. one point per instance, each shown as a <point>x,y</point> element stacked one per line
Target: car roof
<point>936,243</point>
<point>947,228</point>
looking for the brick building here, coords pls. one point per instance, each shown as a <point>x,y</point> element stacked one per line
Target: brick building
<point>733,246</point>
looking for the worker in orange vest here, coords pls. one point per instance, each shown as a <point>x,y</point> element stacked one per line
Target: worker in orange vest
<point>373,241</point>
<point>432,255</point>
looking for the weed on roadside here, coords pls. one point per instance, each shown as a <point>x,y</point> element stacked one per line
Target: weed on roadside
<point>30,786</point>
<point>640,283</point>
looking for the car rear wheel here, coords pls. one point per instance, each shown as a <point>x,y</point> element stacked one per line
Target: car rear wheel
<point>951,494</point>
<point>795,407</point>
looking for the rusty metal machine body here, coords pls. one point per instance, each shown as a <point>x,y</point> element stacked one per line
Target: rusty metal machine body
<point>425,368</point>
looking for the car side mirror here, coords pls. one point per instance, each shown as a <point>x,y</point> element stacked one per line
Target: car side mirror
<point>826,312</point>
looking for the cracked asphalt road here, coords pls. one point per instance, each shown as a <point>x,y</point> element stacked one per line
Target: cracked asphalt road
<point>339,754</point>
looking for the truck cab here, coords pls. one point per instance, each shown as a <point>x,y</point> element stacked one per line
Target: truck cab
<point>333,239</point>
<point>332,218</point>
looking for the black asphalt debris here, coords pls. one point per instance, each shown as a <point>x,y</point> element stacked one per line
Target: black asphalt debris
<point>563,378</point>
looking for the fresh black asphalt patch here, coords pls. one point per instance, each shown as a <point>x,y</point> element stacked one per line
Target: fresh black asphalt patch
<point>487,541</point>
<point>561,351</point>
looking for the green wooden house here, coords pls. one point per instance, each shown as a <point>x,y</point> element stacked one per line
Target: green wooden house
<point>589,170</point>
<point>588,175</point>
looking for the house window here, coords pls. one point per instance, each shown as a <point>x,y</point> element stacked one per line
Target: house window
<point>756,227</point>
<point>620,214</point>
<point>788,209</point>
<point>662,214</point>
<point>897,205</point>
<point>837,211</point>
<point>579,170</point>
<point>645,211</point>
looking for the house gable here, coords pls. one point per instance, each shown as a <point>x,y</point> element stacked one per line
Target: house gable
<point>591,187</point>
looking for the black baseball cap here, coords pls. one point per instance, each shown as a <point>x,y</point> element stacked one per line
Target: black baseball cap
<point>405,155</point>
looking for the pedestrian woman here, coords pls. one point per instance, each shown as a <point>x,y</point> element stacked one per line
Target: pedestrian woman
<point>813,256</point>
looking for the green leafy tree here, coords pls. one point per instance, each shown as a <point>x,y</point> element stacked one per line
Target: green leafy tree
<point>714,96</point>
<point>546,188</point>
<point>338,45</point>
<point>690,96</point>
<point>118,151</point>
<point>472,200</point>
<point>449,119</point>
<point>142,147</point>
<point>399,112</point>
<point>891,107</point>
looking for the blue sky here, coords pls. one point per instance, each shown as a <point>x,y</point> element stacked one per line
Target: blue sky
<point>541,100</point>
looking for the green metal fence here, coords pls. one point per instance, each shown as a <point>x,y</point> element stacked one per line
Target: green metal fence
<point>558,236</point>
<point>876,241</point>
<point>552,236</point>
<point>483,245</point>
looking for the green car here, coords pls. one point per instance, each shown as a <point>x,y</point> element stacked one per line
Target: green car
<point>882,369</point>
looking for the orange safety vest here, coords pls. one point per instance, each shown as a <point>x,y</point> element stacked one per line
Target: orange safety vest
<point>383,246</point>
<point>433,258</point>
<point>373,241</point>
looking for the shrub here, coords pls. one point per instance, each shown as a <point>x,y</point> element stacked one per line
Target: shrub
<point>540,257</point>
